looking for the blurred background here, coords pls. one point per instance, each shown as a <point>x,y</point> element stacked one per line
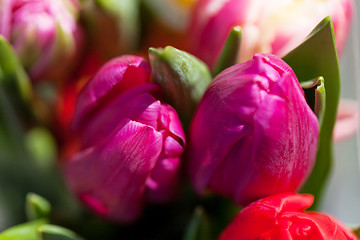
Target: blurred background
<point>342,195</point>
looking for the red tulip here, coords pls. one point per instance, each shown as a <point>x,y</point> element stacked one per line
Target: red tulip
<point>283,217</point>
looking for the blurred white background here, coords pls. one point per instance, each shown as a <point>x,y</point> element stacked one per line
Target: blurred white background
<point>342,196</point>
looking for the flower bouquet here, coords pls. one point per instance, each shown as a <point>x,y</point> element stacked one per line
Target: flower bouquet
<point>173,119</point>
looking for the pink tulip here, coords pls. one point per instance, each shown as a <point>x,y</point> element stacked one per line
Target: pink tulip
<point>275,26</point>
<point>131,142</point>
<point>44,34</point>
<point>253,133</point>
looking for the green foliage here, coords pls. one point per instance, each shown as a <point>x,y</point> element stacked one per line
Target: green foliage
<point>230,51</point>
<point>199,226</point>
<point>25,231</point>
<point>317,56</point>
<point>36,207</point>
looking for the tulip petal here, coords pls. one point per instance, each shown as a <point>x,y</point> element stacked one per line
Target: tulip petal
<point>136,104</point>
<point>114,172</point>
<point>277,28</point>
<point>281,143</point>
<point>225,114</point>
<point>162,185</point>
<point>211,23</point>
<point>5,18</point>
<point>171,122</point>
<point>114,78</point>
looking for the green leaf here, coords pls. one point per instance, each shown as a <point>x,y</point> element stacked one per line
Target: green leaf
<point>315,95</point>
<point>25,231</point>
<point>15,99</point>
<point>15,75</point>
<point>36,207</point>
<point>198,228</point>
<point>230,51</point>
<point>320,100</point>
<point>14,79</point>
<point>53,232</point>
<point>317,56</point>
<point>183,77</point>
<point>12,147</point>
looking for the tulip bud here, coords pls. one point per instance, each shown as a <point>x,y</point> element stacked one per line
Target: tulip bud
<point>131,143</point>
<point>275,28</point>
<point>253,133</point>
<point>183,78</point>
<point>282,216</point>
<point>44,34</point>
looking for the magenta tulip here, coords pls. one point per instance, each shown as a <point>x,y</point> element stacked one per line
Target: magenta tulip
<point>274,27</point>
<point>131,142</point>
<point>253,133</point>
<point>45,34</point>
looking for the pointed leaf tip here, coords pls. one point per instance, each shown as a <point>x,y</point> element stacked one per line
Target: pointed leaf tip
<point>36,207</point>
<point>154,51</point>
<point>15,79</point>
<point>199,226</point>
<point>230,52</point>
